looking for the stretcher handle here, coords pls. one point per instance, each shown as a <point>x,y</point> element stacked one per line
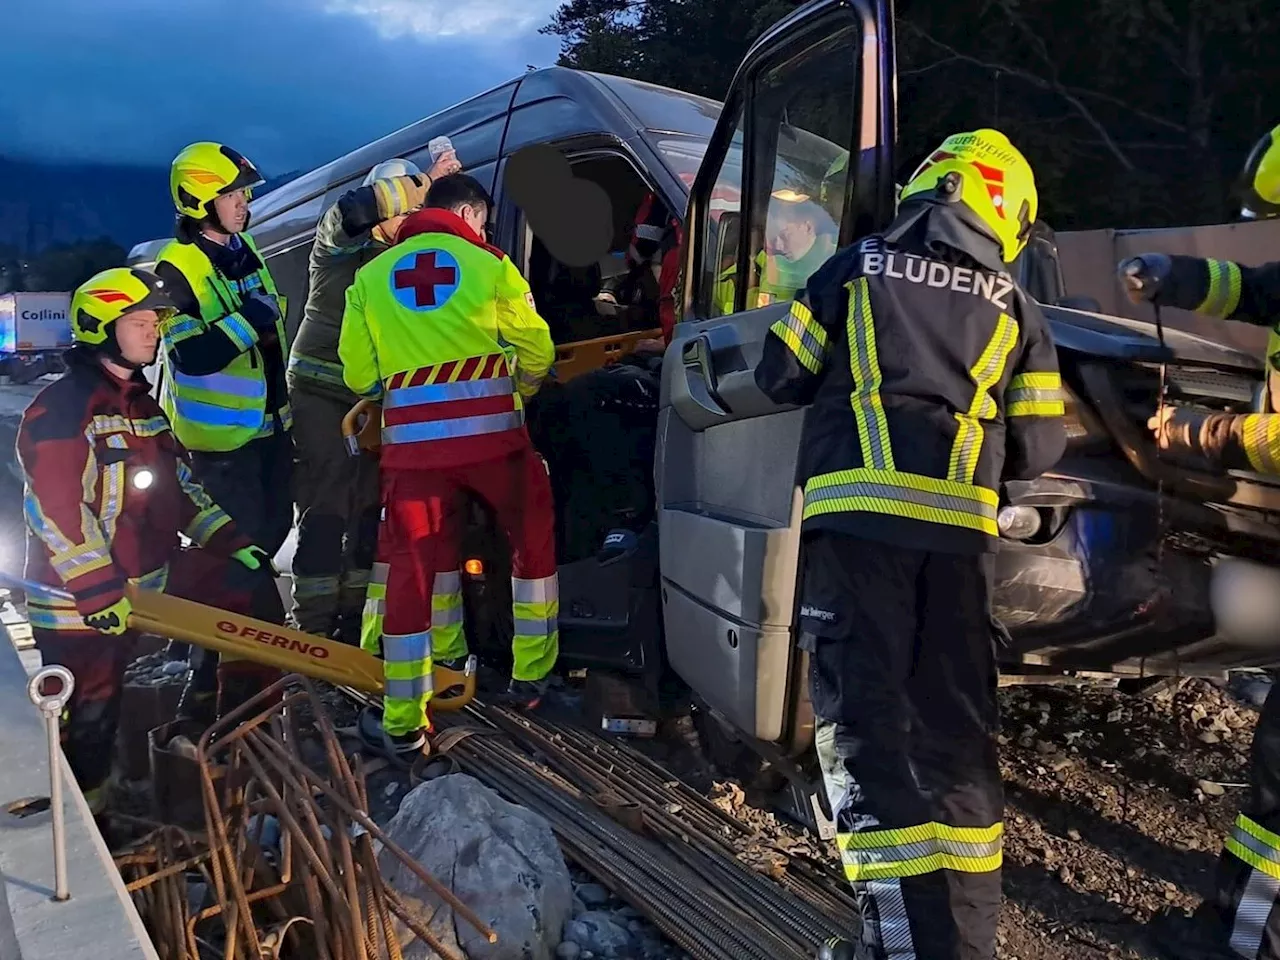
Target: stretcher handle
<point>366,436</point>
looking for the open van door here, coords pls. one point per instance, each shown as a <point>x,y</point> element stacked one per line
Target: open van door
<point>805,145</point>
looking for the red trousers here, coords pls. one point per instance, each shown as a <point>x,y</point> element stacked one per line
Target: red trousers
<point>418,554</point>
<point>98,661</point>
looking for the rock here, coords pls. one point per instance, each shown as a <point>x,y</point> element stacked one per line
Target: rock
<point>593,895</point>
<point>599,933</point>
<point>1209,737</point>
<point>174,668</point>
<point>1073,834</point>
<point>1211,789</point>
<point>498,858</point>
<point>568,951</point>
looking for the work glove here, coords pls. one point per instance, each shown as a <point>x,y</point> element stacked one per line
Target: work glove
<point>254,558</point>
<point>1180,434</point>
<point>261,310</point>
<point>1145,277</point>
<point>112,621</point>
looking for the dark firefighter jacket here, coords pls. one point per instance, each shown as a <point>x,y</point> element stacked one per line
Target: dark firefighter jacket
<point>930,381</point>
<point>107,488</point>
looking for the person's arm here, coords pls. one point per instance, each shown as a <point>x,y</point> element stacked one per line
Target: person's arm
<point>1035,424</point>
<point>521,326</point>
<point>56,457</point>
<point>1221,441</point>
<point>355,348</point>
<point>197,348</point>
<point>796,348</point>
<point>1215,288</point>
<point>206,523</point>
<point>348,224</point>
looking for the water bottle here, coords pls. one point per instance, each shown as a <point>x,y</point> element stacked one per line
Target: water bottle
<point>438,147</point>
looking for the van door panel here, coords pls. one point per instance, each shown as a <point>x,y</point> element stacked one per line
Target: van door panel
<point>725,469</point>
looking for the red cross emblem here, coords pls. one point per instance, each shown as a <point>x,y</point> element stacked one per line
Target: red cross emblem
<point>424,277</point>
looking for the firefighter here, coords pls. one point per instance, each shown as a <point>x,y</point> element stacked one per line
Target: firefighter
<point>222,384</point>
<point>1247,888</point>
<point>424,333</point>
<point>108,489</point>
<point>337,495</point>
<point>932,378</point>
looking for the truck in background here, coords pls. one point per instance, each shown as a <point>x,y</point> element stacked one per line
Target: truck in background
<point>35,327</point>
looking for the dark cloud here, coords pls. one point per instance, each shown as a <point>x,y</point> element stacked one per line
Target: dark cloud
<point>291,83</point>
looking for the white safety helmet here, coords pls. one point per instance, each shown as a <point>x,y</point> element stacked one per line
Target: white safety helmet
<point>392,168</point>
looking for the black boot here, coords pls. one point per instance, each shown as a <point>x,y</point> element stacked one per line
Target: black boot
<point>200,694</point>
<point>239,682</point>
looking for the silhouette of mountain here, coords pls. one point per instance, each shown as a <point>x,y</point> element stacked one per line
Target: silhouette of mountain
<point>47,203</point>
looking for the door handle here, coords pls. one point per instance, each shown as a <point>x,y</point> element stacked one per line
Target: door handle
<point>701,375</point>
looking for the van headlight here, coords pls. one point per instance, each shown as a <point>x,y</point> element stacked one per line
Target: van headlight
<point>1018,523</point>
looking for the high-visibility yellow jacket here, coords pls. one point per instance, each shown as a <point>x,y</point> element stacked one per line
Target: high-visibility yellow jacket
<point>227,406</point>
<point>442,329</point>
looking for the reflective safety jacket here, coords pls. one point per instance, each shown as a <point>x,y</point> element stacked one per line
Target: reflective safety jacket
<point>930,382</point>
<point>107,492</point>
<point>234,392</point>
<point>344,243</point>
<point>441,329</point>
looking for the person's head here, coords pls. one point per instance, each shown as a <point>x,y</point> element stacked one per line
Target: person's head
<point>462,194</point>
<point>212,185</point>
<point>987,180</point>
<point>117,314</point>
<point>795,224</point>
<point>389,170</point>
<point>1259,186</point>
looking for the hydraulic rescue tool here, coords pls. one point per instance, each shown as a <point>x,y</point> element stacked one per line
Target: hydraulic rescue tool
<point>267,643</point>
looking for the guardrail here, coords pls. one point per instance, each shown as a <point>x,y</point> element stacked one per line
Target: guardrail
<point>99,919</point>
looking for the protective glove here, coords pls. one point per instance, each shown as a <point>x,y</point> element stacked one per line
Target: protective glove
<point>1180,434</point>
<point>254,558</point>
<point>112,621</point>
<point>1144,277</point>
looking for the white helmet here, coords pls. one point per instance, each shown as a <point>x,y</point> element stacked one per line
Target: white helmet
<point>391,168</point>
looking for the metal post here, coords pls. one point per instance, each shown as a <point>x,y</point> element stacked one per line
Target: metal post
<point>51,706</point>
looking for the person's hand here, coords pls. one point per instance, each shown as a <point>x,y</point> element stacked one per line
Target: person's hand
<point>253,558</point>
<point>261,310</point>
<point>447,164</point>
<point>1177,430</point>
<point>114,620</point>
<point>1144,277</point>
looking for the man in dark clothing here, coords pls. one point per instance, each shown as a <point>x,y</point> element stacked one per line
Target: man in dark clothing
<point>932,378</point>
<point>108,490</point>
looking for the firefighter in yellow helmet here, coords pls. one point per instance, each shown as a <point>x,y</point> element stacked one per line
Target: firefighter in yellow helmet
<point>930,378</point>
<point>1248,891</point>
<point>108,490</point>
<point>223,384</point>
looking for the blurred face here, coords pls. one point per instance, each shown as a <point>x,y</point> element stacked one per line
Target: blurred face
<point>138,334</point>
<point>793,237</point>
<point>475,217</point>
<point>232,210</point>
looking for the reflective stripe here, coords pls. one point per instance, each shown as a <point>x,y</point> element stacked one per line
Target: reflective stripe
<point>536,626</point>
<point>1256,902</point>
<point>451,429</point>
<point>406,647</point>
<point>868,408</point>
<point>215,416</point>
<point>911,851</point>
<point>542,590</point>
<point>1224,289</point>
<point>355,580</point>
<point>227,384</point>
<point>322,371</point>
<point>1255,845</point>
<point>239,331</point>
<point>306,588</point>
<point>414,689</point>
<point>1261,439</point>
<point>902,495</point>
<point>645,231</point>
<point>985,374</point>
<point>449,581</point>
<point>374,611</point>
<point>205,524</point>
<point>803,336</point>
<point>1034,395</point>
<point>447,615</point>
<point>444,392</point>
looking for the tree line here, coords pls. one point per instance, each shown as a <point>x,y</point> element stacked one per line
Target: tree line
<point>1134,113</point>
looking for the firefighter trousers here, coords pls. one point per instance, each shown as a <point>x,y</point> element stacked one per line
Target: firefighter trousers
<point>415,596</point>
<point>903,683</point>
<point>337,499</point>
<point>98,661</point>
<point>1248,880</point>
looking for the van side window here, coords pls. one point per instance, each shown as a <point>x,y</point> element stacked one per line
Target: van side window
<point>803,114</point>
<point>718,288</point>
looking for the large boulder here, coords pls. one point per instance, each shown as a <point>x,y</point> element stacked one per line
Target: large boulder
<point>498,858</point>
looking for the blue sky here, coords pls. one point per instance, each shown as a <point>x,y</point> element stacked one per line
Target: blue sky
<point>290,83</point>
